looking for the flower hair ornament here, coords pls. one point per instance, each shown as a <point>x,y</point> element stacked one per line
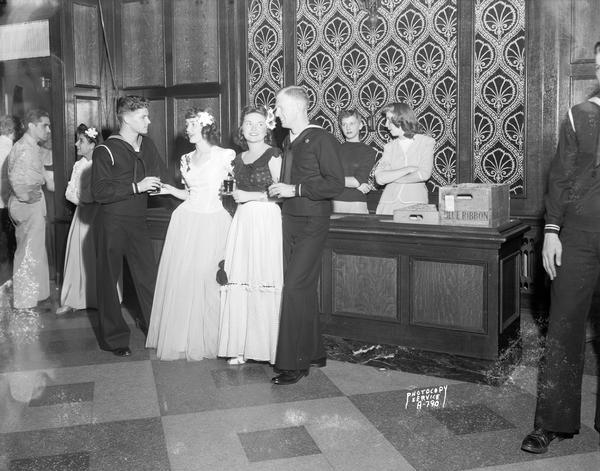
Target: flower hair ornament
<point>270,121</point>
<point>203,119</point>
<point>92,133</point>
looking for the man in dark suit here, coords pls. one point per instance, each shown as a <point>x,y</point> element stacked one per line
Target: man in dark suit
<point>311,176</point>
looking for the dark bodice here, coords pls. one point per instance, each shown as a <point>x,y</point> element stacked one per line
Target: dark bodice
<point>255,176</point>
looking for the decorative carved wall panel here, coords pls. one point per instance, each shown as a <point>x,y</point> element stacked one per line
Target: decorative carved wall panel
<point>410,56</point>
<point>265,51</point>
<point>499,94</point>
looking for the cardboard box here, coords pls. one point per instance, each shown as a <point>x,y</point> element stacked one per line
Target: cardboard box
<point>474,204</point>
<point>417,214</point>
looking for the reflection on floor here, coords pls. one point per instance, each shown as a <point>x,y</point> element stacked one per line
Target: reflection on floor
<point>66,405</point>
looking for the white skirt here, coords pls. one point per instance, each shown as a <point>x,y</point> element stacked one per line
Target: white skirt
<point>251,301</point>
<point>185,311</point>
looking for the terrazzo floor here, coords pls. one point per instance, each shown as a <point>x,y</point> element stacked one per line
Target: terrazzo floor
<point>67,405</point>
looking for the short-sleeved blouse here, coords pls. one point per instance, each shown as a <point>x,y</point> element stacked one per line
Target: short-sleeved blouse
<point>255,176</point>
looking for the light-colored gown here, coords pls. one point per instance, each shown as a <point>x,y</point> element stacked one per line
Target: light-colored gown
<point>79,277</point>
<point>397,154</point>
<point>185,312</point>
<point>251,300</point>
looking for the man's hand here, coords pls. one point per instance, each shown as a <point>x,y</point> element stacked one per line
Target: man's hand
<point>151,184</point>
<point>282,190</point>
<point>551,254</point>
<point>364,188</point>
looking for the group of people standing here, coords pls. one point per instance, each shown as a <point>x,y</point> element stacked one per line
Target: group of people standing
<point>242,288</point>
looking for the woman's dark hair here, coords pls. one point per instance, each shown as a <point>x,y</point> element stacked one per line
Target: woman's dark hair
<point>403,117</point>
<point>82,128</point>
<point>261,110</point>
<point>209,132</point>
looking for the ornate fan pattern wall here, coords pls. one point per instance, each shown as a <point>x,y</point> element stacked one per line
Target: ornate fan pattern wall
<point>265,51</point>
<point>410,56</point>
<point>499,94</point>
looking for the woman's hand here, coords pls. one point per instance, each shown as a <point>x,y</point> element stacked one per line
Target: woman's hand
<point>240,196</point>
<point>165,189</point>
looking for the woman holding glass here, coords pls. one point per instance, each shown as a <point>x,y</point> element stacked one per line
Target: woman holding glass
<point>185,311</point>
<point>407,160</point>
<point>250,301</point>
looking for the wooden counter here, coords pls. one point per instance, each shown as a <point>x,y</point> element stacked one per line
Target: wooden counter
<point>448,289</point>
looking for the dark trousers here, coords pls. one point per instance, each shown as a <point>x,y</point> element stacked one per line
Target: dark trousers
<point>559,390</point>
<point>8,243</point>
<point>118,237</point>
<point>300,338</point>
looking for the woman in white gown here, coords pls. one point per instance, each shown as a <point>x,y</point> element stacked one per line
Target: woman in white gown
<point>250,301</point>
<point>185,311</point>
<point>79,276</point>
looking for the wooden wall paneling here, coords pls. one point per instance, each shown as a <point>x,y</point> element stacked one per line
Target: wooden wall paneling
<point>87,111</point>
<point>158,127</point>
<point>57,28</point>
<point>142,43</point>
<point>239,97</point>
<point>464,138</point>
<point>365,285</point>
<point>86,45</point>
<point>448,294</point>
<point>195,41</point>
<point>581,88</point>
<point>509,300</point>
<point>289,8</point>
<point>584,29</point>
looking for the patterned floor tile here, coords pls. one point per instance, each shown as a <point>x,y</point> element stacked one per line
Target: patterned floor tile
<point>347,441</point>
<point>64,462</point>
<point>64,393</point>
<point>60,348</point>
<point>185,387</point>
<point>582,462</point>
<point>428,443</point>
<point>120,391</point>
<point>136,445</point>
<point>352,378</point>
<point>476,418</point>
<point>286,442</point>
<point>248,374</point>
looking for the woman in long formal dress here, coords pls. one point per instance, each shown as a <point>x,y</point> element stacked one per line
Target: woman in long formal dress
<point>407,160</point>
<point>185,311</point>
<point>250,301</point>
<point>79,277</point>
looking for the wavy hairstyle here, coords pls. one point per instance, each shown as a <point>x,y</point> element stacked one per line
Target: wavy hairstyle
<point>209,132</point>
<point>403,117</point>
<point>264,112</point>
<point>82,128</point>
